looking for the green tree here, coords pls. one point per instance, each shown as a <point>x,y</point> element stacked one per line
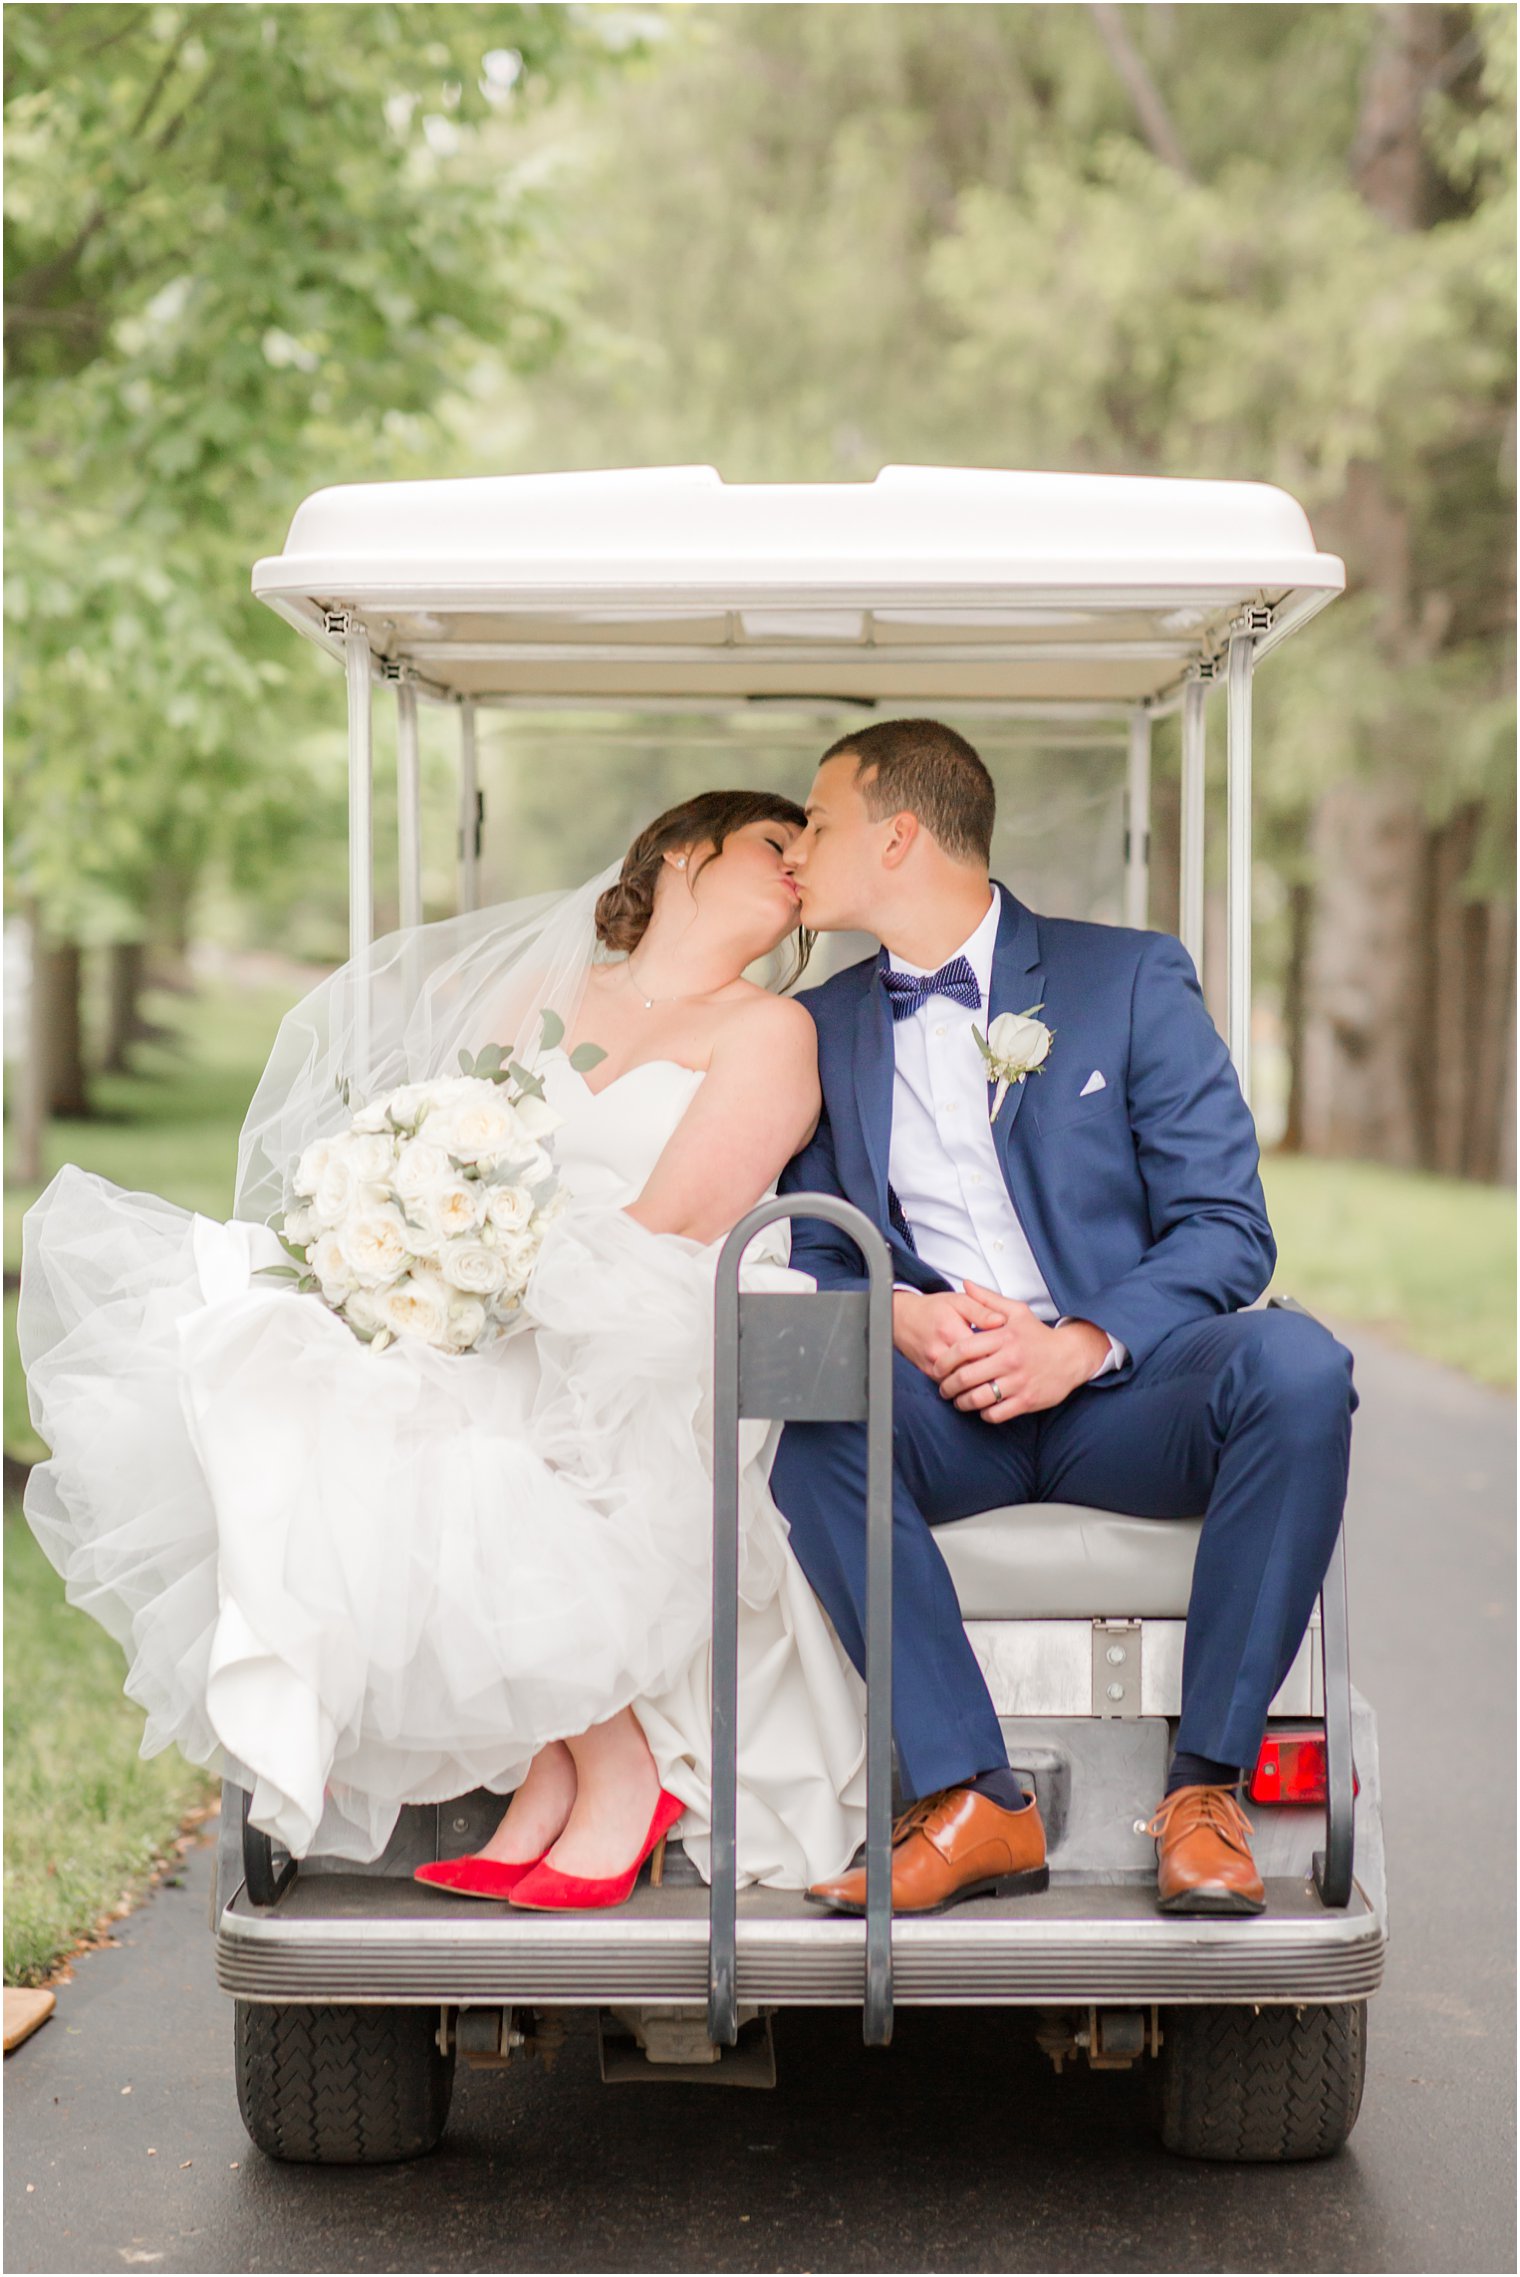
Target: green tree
<point>1273,243</point>
<point>1343,324</point>
<point>247,249</point>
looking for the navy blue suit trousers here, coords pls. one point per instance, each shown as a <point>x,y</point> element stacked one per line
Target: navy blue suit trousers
<point>1242,1419</point>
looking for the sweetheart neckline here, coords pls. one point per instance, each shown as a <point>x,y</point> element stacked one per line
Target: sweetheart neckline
<point>637,1068</point>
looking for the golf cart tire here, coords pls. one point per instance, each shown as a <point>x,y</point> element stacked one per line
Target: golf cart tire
<point>341,2086</point>
<point>1262,2084</point>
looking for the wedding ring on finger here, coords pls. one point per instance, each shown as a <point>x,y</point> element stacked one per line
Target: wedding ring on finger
<point>996,1390</point>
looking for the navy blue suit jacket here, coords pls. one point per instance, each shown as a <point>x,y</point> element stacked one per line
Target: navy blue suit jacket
<point>1142,1202</point>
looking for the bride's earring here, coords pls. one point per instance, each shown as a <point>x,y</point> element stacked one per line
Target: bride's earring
<point>680,861</point>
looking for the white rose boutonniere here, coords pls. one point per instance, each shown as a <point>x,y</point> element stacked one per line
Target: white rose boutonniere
<point>1016,1044</point>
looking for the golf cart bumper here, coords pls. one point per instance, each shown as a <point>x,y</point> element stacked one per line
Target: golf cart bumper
<point>1094,1937</point>
<point>332,1942</point>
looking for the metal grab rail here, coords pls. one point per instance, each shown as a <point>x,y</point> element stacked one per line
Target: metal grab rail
<point>821,1357</point>
<point>1333,1865</point>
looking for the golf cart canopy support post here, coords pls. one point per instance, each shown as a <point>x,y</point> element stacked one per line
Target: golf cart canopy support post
<point>361,850</point>
<point>1194,750</point>
<point>1137,820</point>
<point>469,808</point>
<point>1239,834</point>
<point>408,803</point>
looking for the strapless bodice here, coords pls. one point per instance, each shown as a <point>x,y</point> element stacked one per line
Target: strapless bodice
<point>611,1138</point>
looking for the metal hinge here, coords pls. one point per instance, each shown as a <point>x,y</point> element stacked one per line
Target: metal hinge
<point>337,622</point>
<point>1258,618</point>
<point>1116,1668</point>
<point>1204,668</point>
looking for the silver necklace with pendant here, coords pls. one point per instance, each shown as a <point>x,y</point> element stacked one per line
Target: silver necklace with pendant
<point>649,1002</point>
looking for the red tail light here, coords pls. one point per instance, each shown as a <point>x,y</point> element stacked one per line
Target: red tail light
<point>1292,1768</point>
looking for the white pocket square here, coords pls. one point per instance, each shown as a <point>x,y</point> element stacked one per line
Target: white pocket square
<point>1095,1082</point>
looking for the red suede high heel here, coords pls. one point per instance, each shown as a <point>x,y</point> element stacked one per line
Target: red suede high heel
<point>546,1890</point>
<point>474,1876</point>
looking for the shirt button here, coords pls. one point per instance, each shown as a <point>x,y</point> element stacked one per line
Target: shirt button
<point>997,1245</point>
<point>976,1178</point>
<point>939,1031</point>
<point>951,1105</point>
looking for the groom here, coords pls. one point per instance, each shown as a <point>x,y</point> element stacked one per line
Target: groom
<point>1069,1272</point>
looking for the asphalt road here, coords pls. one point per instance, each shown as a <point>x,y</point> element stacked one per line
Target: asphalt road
<point>956,2149</point>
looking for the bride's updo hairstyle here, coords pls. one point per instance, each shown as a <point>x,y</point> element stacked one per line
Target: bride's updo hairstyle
<point>624,910</point>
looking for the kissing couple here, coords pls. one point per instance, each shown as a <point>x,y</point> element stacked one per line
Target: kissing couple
<point>356,1579</point>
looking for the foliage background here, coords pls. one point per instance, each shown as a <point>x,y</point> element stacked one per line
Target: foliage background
<point>1263,242</point>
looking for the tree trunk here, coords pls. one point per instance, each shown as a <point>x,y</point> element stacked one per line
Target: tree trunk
<point>1154,119</point>
<point>58,1025</point>
<point>124,1022</point>
<point>62,1002</point>
<point>1443,1011</point>
<point>1476,1135</point>
<point>1364,1046</point>
<point>1502,980</point>
<point>1489,1130</point>
<point>1300,917</point>
<point>167,956</point>
<point>1389,164</point>
<point>1405,1053</point>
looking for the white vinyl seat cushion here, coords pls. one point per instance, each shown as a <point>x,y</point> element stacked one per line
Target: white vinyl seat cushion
<point>1061,1561</point>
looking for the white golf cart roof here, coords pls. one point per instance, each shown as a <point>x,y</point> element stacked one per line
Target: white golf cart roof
<point>1083,606</point>
<point>929,584</point>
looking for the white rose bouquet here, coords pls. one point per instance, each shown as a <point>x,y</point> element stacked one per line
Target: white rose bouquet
<point>425,1218</point>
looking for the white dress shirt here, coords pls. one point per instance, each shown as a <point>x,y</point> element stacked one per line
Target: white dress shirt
<point>943,1161</point>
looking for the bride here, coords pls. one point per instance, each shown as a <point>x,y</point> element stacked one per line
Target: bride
<point>353,1579</point>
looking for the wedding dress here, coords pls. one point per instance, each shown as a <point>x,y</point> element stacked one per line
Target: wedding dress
<point>354,1579</point>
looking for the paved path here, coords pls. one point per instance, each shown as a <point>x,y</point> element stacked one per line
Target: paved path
<point>954,2150</point>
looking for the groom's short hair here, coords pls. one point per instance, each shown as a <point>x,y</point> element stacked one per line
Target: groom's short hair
<point>922,767</point>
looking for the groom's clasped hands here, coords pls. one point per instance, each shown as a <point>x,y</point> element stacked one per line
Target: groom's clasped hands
<point>990,1354</point>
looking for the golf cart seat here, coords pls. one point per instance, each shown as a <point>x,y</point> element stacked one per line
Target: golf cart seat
<point>1063,1561</point>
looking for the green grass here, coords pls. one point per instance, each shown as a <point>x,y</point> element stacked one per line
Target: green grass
<point>1428,1261</point>
<point>86,1819</point>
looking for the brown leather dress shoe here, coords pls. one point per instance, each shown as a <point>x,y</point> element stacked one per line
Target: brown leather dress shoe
<point>1203,1854</point>
<point>950,1846</point>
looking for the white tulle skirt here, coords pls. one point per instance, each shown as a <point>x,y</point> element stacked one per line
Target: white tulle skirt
<point>352,1580</point>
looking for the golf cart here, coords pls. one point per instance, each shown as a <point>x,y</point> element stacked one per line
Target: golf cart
<point>1072,605</point>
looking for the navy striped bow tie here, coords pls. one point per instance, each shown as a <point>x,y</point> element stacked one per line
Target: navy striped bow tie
<point>908,991</point>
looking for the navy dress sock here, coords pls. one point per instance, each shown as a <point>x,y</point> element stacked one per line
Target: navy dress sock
<point>1200,1771</point>
<point>1003,1787</point>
